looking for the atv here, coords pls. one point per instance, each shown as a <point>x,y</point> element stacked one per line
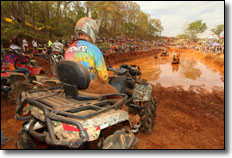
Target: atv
<point>127,80</point>
<point>164,53</point>
<point>32,66</point>
<point>16,81</point>
<point>61,117</point>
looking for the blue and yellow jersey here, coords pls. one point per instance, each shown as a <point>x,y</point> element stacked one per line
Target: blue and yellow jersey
<point>90,56</point>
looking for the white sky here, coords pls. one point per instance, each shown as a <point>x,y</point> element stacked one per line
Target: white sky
<point>175,15</point>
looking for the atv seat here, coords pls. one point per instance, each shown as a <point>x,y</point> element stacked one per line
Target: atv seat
<point>75,74</point>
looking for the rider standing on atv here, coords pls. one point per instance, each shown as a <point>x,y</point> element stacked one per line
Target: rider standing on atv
<point>12,57</point>
<point>84,51</point>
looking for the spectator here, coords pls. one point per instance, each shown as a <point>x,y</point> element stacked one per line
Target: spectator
<point>15,41</point>
<point>25,45</point>
<point>35,47</point>
<point>12,17</point>
<point>19,20</point>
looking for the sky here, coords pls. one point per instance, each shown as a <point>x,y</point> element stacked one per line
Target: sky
<point>176,15</point>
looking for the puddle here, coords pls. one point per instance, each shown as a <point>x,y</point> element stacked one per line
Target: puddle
<point>190,71</point>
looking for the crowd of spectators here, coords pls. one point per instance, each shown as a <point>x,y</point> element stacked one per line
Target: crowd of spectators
<point>120,44</point>
<point>204,46</point>
<point>124,44</point>
<point>212,47</point>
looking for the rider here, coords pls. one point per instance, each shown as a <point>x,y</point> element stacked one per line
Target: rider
<point>58,48</point>
<point>84,51</point>
<point>12,57</point>
<point>56,55</point>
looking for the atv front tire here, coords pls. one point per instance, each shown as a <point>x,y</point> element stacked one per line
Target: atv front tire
<point>147,117</point>
<point>120,140</point>
<point>25,141</point>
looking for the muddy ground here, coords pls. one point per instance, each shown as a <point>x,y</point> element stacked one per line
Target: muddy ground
<point>186,119</point>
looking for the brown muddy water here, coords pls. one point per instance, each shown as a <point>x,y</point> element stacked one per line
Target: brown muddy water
<point>191,71</point>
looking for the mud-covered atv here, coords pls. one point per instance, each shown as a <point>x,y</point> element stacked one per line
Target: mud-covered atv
<point>31,65</point>
<point>61,117</point>
<point>164,53</point>
<point>16,81</point>
<point>127,80</point>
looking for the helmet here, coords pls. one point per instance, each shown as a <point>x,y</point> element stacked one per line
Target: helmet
<point>14,49</point>
<point>88,26</point>
<point>57,47</point>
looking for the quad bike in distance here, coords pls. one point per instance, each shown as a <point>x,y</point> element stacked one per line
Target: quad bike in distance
<point>164,53</point>
<point>176,59</point>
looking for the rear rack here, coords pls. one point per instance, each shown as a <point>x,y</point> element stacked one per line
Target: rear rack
<point>53,109</point>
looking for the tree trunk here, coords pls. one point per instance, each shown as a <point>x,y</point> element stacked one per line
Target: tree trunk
<point>17,7</point>
<point>22,13</point>
<point>33,23</point>
<point>13,8</point>
<point>58,9</point>
<point>87,11</point>
<point>50,35</point>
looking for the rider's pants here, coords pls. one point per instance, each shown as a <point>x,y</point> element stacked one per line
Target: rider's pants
<point>24,70</point>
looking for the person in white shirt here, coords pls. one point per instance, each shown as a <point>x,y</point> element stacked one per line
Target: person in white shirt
<point>35,47</point>
<point>25,45</point>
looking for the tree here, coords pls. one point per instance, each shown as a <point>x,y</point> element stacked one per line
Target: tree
<point>22,13</point>
<point>218,30</point>
<point>183,36</point>
<point>141,24</point>
<point>56,19</point>
<point>195,28</point>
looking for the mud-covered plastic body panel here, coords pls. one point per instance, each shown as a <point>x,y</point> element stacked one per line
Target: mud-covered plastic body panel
<point>93,115</point>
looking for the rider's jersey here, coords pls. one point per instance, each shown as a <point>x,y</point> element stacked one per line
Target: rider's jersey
<point>9,61</point>
<point>90,56</point>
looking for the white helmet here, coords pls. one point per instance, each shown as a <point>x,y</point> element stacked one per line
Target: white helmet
<point>14,49</point>
<point>57,47</point>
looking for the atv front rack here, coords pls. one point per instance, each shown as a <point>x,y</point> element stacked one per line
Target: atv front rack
<point>56,107</point>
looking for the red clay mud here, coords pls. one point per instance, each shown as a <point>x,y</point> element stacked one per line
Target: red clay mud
<point>116,58</point>
<point>186,119</point>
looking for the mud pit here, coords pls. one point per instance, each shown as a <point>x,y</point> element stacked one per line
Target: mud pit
<point>189,117</point>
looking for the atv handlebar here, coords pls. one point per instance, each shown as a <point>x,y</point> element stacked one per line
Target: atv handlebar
<point>118,71</point>
<point>133,70</point>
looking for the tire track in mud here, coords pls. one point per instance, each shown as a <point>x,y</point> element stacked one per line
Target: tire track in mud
<point>186,120</point>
